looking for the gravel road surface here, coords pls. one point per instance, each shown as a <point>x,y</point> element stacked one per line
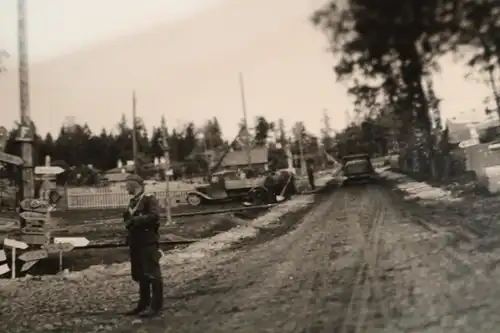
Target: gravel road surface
<point>355,263</point>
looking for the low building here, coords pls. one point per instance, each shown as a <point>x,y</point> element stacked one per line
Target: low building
<point>239,159</point>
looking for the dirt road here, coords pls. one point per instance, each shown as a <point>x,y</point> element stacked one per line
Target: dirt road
<point>355,264</point>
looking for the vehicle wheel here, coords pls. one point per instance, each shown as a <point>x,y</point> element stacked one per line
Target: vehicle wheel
<point>194,200</point>
<point>258,196</point>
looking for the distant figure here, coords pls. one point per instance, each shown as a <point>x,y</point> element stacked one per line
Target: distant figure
<point>271,185</point>
<point>142,222</point>
<point>310,175</point>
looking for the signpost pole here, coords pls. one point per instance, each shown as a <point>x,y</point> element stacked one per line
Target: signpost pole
<point>60,261</point>
<point>46,188</point>
<point>13,266</point>
<point>25,135</point>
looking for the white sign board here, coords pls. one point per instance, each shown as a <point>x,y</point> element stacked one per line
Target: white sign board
<point>3,256</point>
<point>75,241</point>
<point>27,265</point>
<point>60,247</point>
<point>11,159</point>
<point>4,269</point>
<point>48,170</point>
<point>15,244</point>
<point>34,255</point>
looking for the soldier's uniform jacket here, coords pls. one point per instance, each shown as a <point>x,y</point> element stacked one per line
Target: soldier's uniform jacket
<point>142,219</point>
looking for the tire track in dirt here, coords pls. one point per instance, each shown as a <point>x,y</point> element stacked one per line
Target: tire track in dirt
<point>361,288</point>
<point>368,233</point>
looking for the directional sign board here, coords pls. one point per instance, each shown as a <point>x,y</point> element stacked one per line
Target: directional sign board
<point>27,265</point>
<point>34,255</point>
<point>36,205</point>
<point>15,244</point>
<point>11,159</point>
<point>3,256</point>
<point>30,230</point>
<point>60,247</point>
<point>75,241</point>
<point>48,170</point>
<point>36,238</point>
<point>36,216</point>
<point>4,269</point>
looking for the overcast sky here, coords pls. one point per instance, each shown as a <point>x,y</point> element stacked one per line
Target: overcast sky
<point>183,58</point>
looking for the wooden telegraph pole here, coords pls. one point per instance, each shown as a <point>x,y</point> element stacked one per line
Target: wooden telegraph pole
<point>134,128</point>
<point>245,120</point>
<point>166,150</point>
<point>25,135</point>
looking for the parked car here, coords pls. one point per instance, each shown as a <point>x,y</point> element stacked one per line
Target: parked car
<point>358,169</point>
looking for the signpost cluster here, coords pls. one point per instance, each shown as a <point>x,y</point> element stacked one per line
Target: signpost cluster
<point>36,223</point>
<point>37,212</point>
<point>30,258</point>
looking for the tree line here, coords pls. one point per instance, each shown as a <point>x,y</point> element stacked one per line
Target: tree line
<point>77,148</point>
<point>387,53</point>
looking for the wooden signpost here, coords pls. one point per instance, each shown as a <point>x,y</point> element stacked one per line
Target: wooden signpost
<point>59,248</point>
<point>13,244</point>
<point>37,211</point>
<point>37,217</point>
<point>66,244</point>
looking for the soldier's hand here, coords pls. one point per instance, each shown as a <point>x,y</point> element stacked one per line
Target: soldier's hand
<point>129,223</point>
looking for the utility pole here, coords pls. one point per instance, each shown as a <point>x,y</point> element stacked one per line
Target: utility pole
<point>25,131</point>
<point>134,133</point>
<point>166,151</point>
<point>245,120</point>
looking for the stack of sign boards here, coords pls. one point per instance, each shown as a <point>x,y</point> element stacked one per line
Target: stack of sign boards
<point>36,212</point>
<point>31,257</point>
<point>36,229</point>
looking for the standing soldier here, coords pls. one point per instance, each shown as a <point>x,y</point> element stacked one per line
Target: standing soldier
<point>142,222</point>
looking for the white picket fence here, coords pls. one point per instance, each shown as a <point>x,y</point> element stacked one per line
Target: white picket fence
<point>102,198</point>
<point>117,197</point>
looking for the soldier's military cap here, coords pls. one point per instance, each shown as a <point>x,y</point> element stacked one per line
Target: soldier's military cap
<point>135,178</point>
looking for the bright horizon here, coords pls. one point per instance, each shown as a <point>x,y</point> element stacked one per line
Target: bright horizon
<point>183,60</point>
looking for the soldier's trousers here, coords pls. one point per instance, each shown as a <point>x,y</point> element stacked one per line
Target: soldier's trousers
<point>145,263</point>
<point>146,271</point>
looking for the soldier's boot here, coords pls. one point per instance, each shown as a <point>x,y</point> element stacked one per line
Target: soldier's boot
<point>144,299</point>
<point>156,299</point>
